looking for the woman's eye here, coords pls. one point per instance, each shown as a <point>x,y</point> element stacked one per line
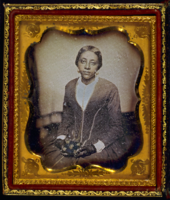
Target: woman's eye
<point>93,63</point>
<point>83,61</point>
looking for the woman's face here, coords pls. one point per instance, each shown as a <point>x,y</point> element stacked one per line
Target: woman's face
<point>88,64</point>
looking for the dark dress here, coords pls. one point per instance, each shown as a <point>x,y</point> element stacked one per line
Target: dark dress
<point>101,120</point>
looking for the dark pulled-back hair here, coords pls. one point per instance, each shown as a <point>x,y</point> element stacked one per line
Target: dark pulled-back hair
<point>92,49</point>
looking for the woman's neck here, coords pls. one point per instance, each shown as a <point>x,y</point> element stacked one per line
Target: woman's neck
<point>87,81</point>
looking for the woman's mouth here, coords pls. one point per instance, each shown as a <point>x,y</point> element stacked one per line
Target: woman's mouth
<point>86,73</point>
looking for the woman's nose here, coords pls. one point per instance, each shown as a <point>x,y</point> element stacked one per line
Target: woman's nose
<point>87,66</point>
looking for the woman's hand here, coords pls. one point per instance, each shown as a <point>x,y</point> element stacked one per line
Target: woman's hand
<point>85,151</point>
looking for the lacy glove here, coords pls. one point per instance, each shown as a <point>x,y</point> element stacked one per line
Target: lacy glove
<point>70,148</point>
<point>60,143</point>
<point>85,151</point>
<point>66,152</point>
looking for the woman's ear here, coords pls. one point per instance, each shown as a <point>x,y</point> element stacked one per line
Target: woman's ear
<point>97,73</point>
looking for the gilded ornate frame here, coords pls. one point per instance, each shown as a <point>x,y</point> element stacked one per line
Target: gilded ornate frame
<point>7,189</point>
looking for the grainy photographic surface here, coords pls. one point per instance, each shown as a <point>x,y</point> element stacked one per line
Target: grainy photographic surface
<point>84,100</point>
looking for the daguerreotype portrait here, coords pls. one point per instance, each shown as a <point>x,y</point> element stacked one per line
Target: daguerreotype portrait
<point>84,112</point>
<point>84,103</point>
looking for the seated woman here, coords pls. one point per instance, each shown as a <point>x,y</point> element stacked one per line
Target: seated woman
<point>91,130</point>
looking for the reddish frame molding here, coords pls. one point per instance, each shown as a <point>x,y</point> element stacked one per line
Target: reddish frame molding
<point>11,100</point>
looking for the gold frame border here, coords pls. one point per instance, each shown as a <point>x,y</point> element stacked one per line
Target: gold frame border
<point>109,182</point>
<point>8,9</point>
<point>164,111</point>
